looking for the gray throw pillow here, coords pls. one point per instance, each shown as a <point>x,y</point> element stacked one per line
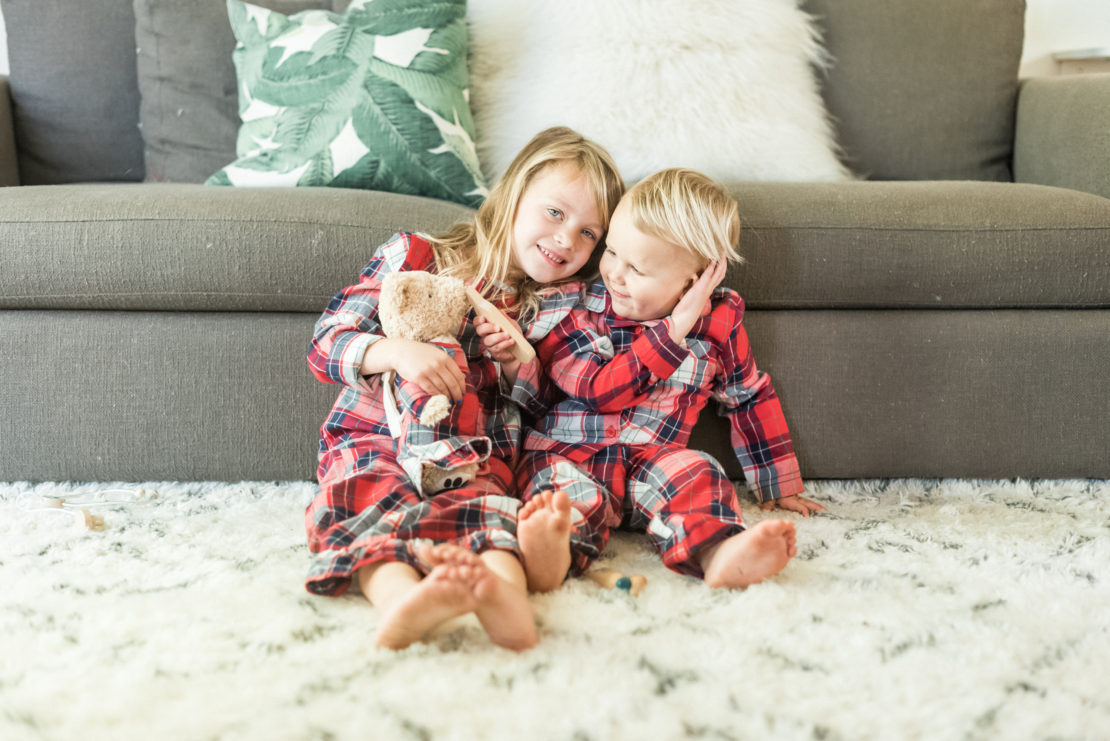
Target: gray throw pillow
<point>189,111</point>
<point>75,101</point>
<point>923,90</point>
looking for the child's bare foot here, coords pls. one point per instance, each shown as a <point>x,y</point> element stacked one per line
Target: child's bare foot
<point>543,530</point>
<point>450,589</point>
<point>503,609</point>
<point>459,582</point>
<point>751,556</point>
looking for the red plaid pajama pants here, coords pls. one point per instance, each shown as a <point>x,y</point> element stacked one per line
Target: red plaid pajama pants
<point>680,498</point>
<point>368,511</point>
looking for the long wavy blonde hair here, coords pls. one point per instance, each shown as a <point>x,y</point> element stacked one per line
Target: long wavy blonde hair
<point>483,246</point>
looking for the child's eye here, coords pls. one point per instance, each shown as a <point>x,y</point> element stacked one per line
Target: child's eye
<point>589,235</point>
<point>554,212</point>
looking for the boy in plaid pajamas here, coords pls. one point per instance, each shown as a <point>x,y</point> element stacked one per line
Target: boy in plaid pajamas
<point>633,365</point>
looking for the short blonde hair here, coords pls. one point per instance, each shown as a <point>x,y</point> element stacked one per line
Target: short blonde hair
<point>685,208</point>
<point>483,246</point>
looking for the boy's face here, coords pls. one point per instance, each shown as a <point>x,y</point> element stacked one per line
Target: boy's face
<point>645,275</point>
<point>557,225</point>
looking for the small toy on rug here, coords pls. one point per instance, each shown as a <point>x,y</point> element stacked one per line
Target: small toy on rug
<point>80,507</point>
<point>611,578</point>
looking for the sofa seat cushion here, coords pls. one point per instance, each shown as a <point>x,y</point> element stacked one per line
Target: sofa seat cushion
<point>837,245</point>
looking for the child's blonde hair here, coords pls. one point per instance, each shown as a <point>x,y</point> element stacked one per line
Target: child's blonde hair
<point>685,208</point>
<point>483,246</point>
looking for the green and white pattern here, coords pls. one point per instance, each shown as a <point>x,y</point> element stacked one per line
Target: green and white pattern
<point>374,98</point>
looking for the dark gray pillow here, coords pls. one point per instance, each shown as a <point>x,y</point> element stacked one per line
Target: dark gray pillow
<point>75,99</point>
<point>190,107</point>
<point>923,90</point>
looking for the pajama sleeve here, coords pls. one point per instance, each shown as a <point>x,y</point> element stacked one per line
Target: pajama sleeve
<point>349,325</point>
<point>532,391</point>
<point>582,363</point>
<point>759,434</point>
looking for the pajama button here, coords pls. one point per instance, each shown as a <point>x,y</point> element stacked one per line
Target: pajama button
<point>610,431</point>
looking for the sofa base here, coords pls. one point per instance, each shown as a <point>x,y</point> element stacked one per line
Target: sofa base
<point>143,396</point>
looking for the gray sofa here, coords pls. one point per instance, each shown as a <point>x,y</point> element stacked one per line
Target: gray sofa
<point>948,315</point>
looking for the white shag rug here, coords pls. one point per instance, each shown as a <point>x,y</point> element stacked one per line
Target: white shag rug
<point>915,609</point>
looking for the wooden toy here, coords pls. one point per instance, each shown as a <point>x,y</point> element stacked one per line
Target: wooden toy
<point>522,349</point>
<point>611,578</point>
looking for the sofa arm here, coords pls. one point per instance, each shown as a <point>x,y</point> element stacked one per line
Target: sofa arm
<point>1062,137</point>
<point>9,169</point>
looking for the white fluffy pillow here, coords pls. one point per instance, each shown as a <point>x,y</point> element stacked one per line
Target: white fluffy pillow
<point>727,87</point>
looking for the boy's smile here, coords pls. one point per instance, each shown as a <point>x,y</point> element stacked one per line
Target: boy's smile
<point>645,276</point>
<point>557,225</point>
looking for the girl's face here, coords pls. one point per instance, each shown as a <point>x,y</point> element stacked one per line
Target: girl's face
<point>557,225</point>
<point>645,276</point>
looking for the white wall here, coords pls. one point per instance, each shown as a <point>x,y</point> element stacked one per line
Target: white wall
<point>1062,25</point>
<point>1050,26</point>
<point>3,48</point>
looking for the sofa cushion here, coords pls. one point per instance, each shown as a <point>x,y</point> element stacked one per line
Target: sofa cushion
<point>923,90</point>
<point>727,88</point>
<point>846,246</point>
<point>373,98</point>
<point>1061,137</point>
<point>73,86</point>
<point>189,109</point>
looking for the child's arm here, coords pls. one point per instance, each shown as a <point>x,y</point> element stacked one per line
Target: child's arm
<point>421,363</point>
<point>760,437</point>
<point>524,383</point>
<point>347,342</point>
<point>344,332</point>
<point>582,363</point>
<point>611,384</point>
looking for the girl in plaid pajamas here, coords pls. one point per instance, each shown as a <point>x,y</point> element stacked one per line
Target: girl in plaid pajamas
<point>634,363</point>
<point>422,561</point>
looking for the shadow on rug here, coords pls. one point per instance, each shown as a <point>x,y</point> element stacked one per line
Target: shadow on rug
<point>915,609</point>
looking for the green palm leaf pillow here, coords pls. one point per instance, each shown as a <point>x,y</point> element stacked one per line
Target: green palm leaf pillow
<point>372,98</point>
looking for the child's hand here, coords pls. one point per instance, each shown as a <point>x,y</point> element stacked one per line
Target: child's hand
<point>801,505</point>
<point>429,367</point>
<point>688,308</point>
<point>499,345</point>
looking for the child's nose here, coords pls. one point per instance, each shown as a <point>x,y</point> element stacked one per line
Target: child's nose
<point>565,237</point>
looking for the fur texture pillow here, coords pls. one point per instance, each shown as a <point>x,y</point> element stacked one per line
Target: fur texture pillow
<point>727,87</point>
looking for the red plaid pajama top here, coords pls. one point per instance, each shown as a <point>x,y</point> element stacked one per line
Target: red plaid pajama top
<point>626,382</point>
